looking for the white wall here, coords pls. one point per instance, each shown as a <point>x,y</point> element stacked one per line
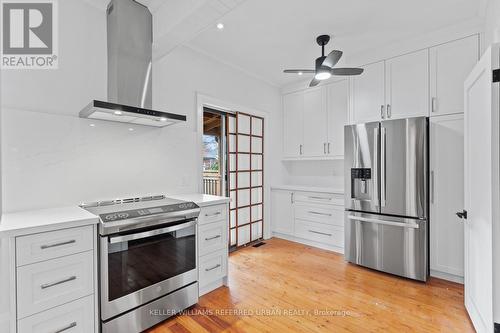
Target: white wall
<point>492,23</point>
<point>315,173</point>
<point>53,158</point>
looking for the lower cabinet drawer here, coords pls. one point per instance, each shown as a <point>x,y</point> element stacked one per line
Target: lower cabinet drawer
<point>213,267</point>
<point>75,317</point>
<point>331,235</point>
<point>47,284</point>
<point>211,214</point>
<point>212,237</point>
<point>327,214</point>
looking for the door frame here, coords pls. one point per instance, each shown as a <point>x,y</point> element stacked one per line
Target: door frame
<point>202,101</point>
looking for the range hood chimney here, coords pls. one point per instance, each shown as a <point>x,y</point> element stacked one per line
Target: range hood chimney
<point>130,38</point>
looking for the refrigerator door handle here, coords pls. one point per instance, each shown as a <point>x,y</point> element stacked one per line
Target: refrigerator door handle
<point>385,222</point>
<point>375,168</point>
<point>382,167</point>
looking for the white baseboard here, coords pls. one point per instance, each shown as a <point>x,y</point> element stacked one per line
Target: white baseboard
<point>291,238</point>
<point>447,276</point>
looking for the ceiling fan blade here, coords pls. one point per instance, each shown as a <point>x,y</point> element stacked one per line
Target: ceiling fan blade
<point>299,71</point>
<point>347,71</point>
<point>314,83</point>
<point>332,58</point>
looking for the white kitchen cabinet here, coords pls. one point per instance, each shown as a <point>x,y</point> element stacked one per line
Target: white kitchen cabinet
<point>293,107</point>
<point>367,94</point>
<point>338,116</point>
<point>312,218</point>
<point>407,85</point>
<point>446,196</point>
<point>282,218</point>
<point>450,63</point>
<point>315,123</point>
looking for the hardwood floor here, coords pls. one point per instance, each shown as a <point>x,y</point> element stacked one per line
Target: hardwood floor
<point>292,282</point>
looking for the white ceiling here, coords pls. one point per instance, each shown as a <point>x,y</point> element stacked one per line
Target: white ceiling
<point>263,37</point>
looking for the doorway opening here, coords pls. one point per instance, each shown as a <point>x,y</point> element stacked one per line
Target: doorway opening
<point>233,166</point>
<point>214,153</point>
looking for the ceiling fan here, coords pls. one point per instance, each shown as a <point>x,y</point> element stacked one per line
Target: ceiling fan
<point>324,65</point>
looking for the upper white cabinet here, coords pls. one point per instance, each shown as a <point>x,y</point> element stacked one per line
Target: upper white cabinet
<point>446,194</point>
<point>407,86</point>
<point>367,94</point>
<point>450,64</point>
<point>293,105</point>
<point>338,115</point>
<point>314,122</point>
<point>392,89</point>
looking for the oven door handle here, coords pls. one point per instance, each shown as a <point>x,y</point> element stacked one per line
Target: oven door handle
<point>150,233</point>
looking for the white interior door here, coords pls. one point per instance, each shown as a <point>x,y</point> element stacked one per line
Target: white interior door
<point>480,188</point>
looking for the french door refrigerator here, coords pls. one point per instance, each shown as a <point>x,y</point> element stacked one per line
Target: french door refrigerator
<point>386,196</point>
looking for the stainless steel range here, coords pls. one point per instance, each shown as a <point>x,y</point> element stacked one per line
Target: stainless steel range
<point>148,261</point>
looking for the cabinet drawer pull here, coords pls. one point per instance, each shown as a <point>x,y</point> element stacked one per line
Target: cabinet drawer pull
<point>212,268</point>
<point>214,237</point>
<point>328,147</point>
<point>214,214</point>
<point>319,198</point>
<point>52,284</point>
<point>433,104</point>
<point>320,233</point>
<point>382,115</point>
<point>324,148</point>
<point>73,324</point>
<point>389,112</point>
<point>48,246</point>
<point>318,213</point>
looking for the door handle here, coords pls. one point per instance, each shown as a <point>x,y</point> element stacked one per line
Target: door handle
<point>382,115</point>
<point>462,214</point>
<point>375,169</point>
<point>324,148</point>
<point>385,222</point>
<point>389,112</point>
<point>432,186</point>
<point>328,147</point>
<point>383,167</point>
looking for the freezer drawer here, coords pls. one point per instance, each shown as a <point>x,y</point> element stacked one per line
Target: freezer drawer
<point>386,243</point>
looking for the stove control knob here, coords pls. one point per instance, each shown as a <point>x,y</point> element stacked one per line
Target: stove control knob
<point>111,217</point>
<point>123,215</point>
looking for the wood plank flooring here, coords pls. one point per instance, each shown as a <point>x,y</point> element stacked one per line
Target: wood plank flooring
<point>288,287</point>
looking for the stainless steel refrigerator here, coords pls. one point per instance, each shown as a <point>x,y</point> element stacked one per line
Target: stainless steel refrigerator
<point>386,196</point>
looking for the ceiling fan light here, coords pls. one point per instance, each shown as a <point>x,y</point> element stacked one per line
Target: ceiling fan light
<point>324,75</point>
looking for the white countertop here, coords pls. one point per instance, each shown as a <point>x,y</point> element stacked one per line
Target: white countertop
<point>45,219</point>
<point>25,222</point>
<point>308,189</point>
<point>201,200</point>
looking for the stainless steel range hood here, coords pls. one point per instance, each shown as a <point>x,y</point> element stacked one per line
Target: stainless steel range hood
<point>130,37</point>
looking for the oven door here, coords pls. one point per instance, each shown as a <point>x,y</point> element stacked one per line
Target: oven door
<point>139,267</point>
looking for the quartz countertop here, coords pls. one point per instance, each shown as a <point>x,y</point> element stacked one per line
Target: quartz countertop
<point>40,220</point>
<point>304,188</point>
<point>45,219</point>
<point>201,200</point>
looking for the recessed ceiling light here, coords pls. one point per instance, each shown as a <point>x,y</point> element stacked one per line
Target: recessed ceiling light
<point>163,119</point>
<point>130,129</point>
<point>220,26</point>
<point>300,73</point>
<point>92,125</point>
<point>118,113</point>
